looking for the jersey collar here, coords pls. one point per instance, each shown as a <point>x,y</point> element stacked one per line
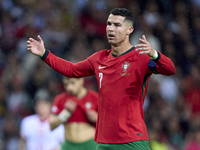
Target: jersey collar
<point>132,48</point>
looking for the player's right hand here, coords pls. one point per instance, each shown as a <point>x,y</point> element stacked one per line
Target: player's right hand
<point>36,47</point>
<point>70,105</point>
<point>92,115</point>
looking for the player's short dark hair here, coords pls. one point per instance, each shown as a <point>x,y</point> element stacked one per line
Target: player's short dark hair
<point>123,12</point>
<point>42,94</point>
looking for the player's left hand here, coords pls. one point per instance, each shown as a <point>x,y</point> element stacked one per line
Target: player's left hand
<point>145,47</point>
<point>91,115</point>
<point>70,105</point>
<point>36,47</point>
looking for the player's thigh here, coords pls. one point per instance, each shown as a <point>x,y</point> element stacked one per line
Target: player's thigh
<point>138,145</point>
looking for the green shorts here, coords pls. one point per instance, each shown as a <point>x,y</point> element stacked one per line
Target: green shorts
<point>87,145</point>
<point>137,145</point>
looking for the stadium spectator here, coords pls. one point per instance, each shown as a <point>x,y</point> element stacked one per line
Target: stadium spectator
<point>35,129</point>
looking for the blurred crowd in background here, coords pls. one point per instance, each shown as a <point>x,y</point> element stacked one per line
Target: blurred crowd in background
<point>74,30</point>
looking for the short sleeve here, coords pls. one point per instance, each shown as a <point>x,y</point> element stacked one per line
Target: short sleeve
<point>57,106</point>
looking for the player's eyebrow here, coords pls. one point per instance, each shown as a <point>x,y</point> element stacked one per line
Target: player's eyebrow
<point>115,23</point>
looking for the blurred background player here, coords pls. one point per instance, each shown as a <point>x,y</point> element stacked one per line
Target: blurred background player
<point>77,110</point>
<point>35,129</point>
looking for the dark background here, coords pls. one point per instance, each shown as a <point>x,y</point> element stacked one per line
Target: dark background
<point>74,30</point>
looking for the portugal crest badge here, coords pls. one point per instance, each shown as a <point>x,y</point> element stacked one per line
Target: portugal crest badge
<point>125,66</point>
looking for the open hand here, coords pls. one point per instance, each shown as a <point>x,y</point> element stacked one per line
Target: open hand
<point>70,105</point>
<point>145,47</point>
<point>36,47</point>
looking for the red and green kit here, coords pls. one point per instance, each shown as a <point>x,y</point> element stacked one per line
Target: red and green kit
<point>122,84</point>
<point>88,102</point>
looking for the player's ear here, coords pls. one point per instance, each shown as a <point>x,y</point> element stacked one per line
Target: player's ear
<point>130,30</point>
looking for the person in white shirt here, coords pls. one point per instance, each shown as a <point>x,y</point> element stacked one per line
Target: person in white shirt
<point>35,129</point>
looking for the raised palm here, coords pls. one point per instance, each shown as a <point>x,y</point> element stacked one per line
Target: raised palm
<point>36,47</point>
<point>145,47</point>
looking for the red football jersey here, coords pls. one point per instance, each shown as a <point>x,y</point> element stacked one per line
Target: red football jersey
<point>122,83</point>
<point>88,102</point>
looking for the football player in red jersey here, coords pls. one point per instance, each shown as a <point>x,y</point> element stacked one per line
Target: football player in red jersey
<point>122,73</point>
<point>77,110</point>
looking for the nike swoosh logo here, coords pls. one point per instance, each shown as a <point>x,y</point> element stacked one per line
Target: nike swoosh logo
<point>101,67</point>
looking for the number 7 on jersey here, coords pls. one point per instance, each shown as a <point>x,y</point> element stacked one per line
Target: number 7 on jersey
<point>100,78</point>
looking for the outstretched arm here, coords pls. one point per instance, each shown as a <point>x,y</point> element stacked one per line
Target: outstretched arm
<point>80,69</point>
<point>163,64</point>
<point>36,47</point>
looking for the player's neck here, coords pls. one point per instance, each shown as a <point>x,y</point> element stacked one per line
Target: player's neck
<point>82,93</point>
<point>43,118</point>
<point>120,49</point>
